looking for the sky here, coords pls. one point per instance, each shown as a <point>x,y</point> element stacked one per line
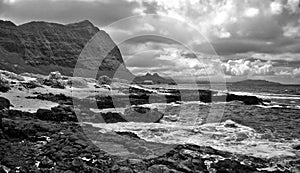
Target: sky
<point>184,39</point>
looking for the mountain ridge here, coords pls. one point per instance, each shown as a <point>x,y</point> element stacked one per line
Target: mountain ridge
<point>155,78</point>
<point>42,47</point>
<point>256,82</point>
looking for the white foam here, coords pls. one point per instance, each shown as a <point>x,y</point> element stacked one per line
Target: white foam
<point>268,95</point>
<point>279,106</point>
<point>239,139</point>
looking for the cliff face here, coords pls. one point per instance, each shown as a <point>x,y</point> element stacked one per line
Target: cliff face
<point>41,47</point>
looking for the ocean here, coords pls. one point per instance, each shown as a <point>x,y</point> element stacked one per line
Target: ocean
<point>266,131</point>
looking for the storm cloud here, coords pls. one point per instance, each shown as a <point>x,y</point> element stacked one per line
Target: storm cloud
<point>233,33</point>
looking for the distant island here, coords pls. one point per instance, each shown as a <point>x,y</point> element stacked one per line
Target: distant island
<point>252,82</point>
<point>154,78</point>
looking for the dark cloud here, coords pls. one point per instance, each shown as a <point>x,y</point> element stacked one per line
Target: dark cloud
<point>231,46</point>
<point>101,13</point>
<point>151,38</point>
<point>150,7</point>
<point>260,28</point>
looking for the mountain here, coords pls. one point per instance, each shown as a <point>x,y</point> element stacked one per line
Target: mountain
<point>256,82</point>
<point>42,47</point>
<point>155,78</point>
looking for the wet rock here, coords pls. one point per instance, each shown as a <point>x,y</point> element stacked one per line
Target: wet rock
<point>142,114</point>
<point>105,102</point>
<point>248,100</point>
<point>297,147</point>
<point>112,117</point>
<point>128,134</point>
<point>230,125</point>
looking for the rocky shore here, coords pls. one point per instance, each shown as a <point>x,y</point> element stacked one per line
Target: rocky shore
<point>56,140</point>
<point>29,144</point>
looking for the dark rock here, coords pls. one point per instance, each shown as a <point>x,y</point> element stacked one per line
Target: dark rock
<point>4,87</point>
<point>230,125</point>
<point>30,84</point>
<point>297,147</point>
<point>128,134</point>
<point>59,113</point>
<point>44,114</point>
<point>104,80</point>
<point>58,98</point>
<point>4,103</point>
<point>112,117</point>
<point>46,163</point>
<point>4,106</point>
<point>248,100</point>
<point>232,166</point>
<point>142,114</point>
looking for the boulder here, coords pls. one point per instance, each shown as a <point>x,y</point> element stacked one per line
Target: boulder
<point>4,106</point>
<point>248,100</point>
<point>104,80</point>
<point>142,114</point>
<point>4,86</point>
<point>55,75</point>
<point>112,117</point>
<point>55,83</point>
<point>59,113</point>
<point>296,147</point>
<point>4,103</point>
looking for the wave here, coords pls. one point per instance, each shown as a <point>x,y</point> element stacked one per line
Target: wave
<point>279,106</point>
<point>268,95</point>
<point>226,136</point>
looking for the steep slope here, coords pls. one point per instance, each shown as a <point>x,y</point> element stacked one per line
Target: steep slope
<point>41,47</point>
